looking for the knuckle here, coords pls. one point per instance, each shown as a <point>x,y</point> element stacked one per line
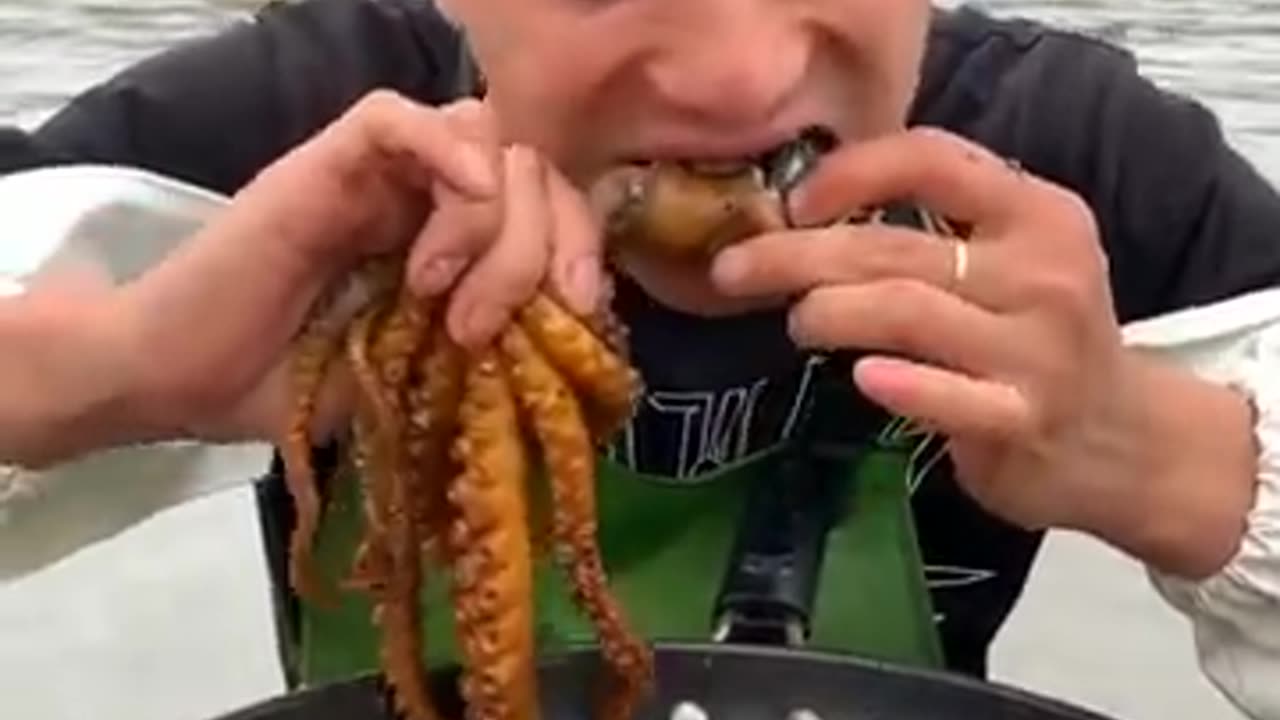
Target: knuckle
<point>1060,291</point>
<point>466,108</point>
<point>810,317</point>
<point>903,295</point>
<point>509,279</point>
<point>905,302</point>
<point>930,137</point>
<point>1073,217</point>
<point>887,252</point>
<point>1053,371</point>
<point>941,143</point>
<point>777,258</point>
<point>480,225</point>
<point>1071,272</point>
<point>574,229</point>
<point>524,278</point>
<point>379,103</point>
<point>1018,421</point>
<point>1078,217</point>
<point>471,117</point>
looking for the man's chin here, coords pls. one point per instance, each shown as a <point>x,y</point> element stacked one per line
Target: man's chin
<point>686,287</point>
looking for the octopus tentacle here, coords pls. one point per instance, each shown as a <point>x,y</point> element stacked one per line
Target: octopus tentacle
<point>549,403</point>
<point>493,574</point>
<point>373,411</point>
<point>389,565</point>
<point>606,325</point>
<point>433,396</point>
<point>314,351</point>
<point>603,376</point>
<point>317,347</point>
<point>371,568</point>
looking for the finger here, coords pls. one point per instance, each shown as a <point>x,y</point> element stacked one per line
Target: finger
<point>421,137</point>
<point>903,317</point>
<point>511,270</point>
<point>946,173</point>
<point>576,267</point>
<point>787,263</point>
<point>462,226</point>
<point>458,231</point>
<point>476,122</point>
<point>952,403</point>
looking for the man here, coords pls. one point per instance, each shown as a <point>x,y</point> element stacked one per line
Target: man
<point>1128,204</point>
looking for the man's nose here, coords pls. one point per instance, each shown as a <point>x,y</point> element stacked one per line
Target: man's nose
<point>730,62</point>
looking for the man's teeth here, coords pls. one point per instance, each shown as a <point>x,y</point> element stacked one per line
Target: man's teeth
<point>720,167</point>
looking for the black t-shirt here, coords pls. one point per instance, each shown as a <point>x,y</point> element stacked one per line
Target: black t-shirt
<point>1183,218</point>
<point>21,151</point>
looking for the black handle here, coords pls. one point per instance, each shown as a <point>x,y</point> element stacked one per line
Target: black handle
<point>766,596</point>
<point>767,593</point>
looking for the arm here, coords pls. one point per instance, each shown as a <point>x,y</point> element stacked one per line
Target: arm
<point>214,112</point>
<point>1235,344</point>
<point>1184,220</point>
<point>1195,226</point>
<point>65,379</point>
<point>62,371</point>
<point>1188,222</point>
<point>88,364</point>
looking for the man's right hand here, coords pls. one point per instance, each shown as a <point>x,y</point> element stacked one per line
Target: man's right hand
<point>213,325</point>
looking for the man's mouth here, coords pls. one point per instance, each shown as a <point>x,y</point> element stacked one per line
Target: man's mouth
<point>719,168</point>
<point>781,165</point>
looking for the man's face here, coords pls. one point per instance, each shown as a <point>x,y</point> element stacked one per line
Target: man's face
<point>592,83</point>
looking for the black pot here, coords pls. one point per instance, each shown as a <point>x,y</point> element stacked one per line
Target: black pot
<point>728,682</point>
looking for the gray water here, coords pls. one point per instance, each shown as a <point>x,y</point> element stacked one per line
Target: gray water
<point>171,621</point>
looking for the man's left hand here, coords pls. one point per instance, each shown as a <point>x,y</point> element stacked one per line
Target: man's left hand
<point>1006,344</point>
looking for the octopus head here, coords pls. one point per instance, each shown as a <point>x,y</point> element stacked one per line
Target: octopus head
<point>689,211</point>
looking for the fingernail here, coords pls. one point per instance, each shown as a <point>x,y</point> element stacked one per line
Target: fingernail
<point>797,204</point>
<point>795,328</point>
<point>729,267</point>
<point>877,375</point>
<point>482,322</point>
<point>582,284</point>
<point>437,274</point>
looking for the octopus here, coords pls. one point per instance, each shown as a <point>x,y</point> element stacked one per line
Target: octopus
<point>447,444</point>
<point>473,463</point>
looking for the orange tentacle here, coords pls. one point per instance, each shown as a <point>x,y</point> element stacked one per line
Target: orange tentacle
<point>550,406</point>
<point>493,574</point>
<point>313,353</point>
<point>390,560</point>
<point>433,397</point>
<point>608,383</point>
